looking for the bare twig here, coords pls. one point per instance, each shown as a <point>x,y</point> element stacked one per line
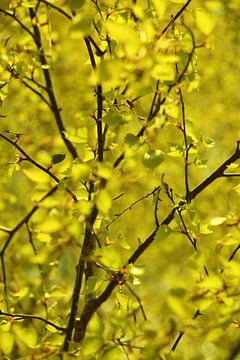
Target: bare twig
<point>234,253</point>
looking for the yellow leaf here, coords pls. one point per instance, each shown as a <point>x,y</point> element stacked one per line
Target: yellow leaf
<point>205,22</point>
<point>36,175</point>
<point>103,201</point>
<point>7,340</point>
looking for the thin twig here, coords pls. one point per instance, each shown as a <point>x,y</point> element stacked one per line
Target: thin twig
<point>175,17</point>
<point>129,207</point>
<point>234,253</point>
<point>17,317</point>
<point>99,100</point>
<point>23,221</point>
<point>61,11</point>
<point>36,164</point>
<point>12,15</point>
<point>219,172</point>
<point>49,87</point>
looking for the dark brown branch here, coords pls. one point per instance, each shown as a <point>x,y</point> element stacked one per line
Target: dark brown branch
<point>28,158</point>
<point>133,204</point>
<point>87,248</point>
<point>234,253</point>
<point>16,228</point>
<point>49,87</point>
<point>215,175</point>
<point>175,17</point>
<point>186,232</point>
<point>37,93</point>
<point>61,11</point>
<point>36,164</point>
<point>12,15</point>
<point>138,300</point>
<point>92,305</point>
<point>99,101</point>
<point>187,148</point>
<point>181,333</point>
<point>17,317</point>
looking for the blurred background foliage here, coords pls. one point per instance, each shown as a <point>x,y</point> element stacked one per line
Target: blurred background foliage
<point>172,280</point>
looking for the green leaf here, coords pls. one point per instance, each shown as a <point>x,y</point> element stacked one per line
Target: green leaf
<point>81,24</point>
<point>153,158</point>
<point>76,4</point>
<point>91,345</point>
<point>57,158</point>
<point>92,285</point>
<point>163,232</point>
<point>113,118</point>
<point>131,139</point>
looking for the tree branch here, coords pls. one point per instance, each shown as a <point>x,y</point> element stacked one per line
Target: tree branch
<point>12,232</point>
<point>49,87</point>
<point>93,304</point>
<point>175,17</point>
<point>215,175</point>
<point>36,164</point>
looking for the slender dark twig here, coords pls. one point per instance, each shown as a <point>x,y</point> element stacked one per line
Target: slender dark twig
<point>187,148</point>
<point>234,253</point>
<point>219,172</point>
<point>34,317</point>
<point>61,11</point>
<point>117,216</point>
<point>181,333</point>
<point>49,86</point>
<point>175,17</point>
<point>13,16</point>
<point>87,247</point>
<point>36,164</point>
<point>99,101</point>
<point>11,234</point>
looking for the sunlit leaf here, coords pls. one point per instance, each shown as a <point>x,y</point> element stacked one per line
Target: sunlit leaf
<point>92,285</point>
<point>91,345</point>
<point>205,21</point>
<point>27,335</point>
<point>217,220</point>
<point>36,175</point>
<point>104,201</point>
<point>7,342</point>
